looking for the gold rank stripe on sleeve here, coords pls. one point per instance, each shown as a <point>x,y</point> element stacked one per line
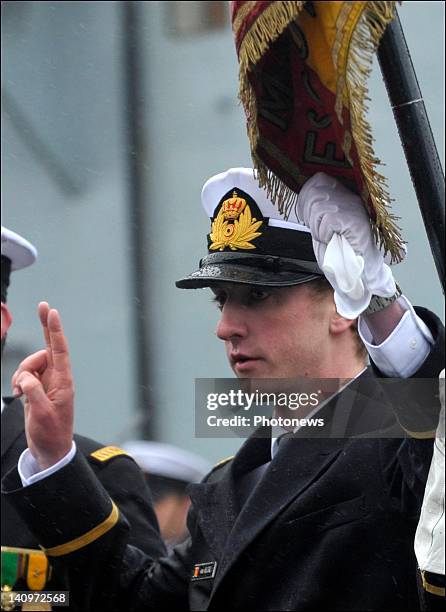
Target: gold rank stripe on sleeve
<point>421,435</point>
<point>431,588</point>
<point>108,452</point>
<point>86,538</point>
<point>222,462</point>
<point>418,435</point>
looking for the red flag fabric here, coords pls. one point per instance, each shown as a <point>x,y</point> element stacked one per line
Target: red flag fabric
<point>303,83</point>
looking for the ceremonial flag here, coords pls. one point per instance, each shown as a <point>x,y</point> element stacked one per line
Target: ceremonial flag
<point>303,84</point>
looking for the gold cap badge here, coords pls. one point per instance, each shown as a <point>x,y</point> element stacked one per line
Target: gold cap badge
<point>233,207</point>
<point>234,226</point>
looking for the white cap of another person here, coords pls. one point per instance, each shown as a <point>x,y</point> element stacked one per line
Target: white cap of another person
<point>158,459</point>
<point>20,252</point>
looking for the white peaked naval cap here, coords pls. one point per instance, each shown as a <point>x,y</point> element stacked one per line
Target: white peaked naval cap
<point>249,241</point>
<point>17,249</point>
<point>166,460</point>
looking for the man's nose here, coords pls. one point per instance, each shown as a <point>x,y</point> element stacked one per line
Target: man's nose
<point>232,323</point>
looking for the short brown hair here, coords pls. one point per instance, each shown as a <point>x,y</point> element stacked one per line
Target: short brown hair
<point>321,288</point>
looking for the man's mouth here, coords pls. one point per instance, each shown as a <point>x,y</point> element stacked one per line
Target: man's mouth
<point>242,362</point>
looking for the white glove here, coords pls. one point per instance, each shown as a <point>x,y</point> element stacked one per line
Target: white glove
<point>343,244</point>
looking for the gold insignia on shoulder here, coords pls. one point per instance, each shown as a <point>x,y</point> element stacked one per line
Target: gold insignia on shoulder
<point>107,452</point>
<point>234,226</point>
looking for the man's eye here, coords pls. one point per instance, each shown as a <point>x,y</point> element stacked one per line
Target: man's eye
<point>219,299</point>
<point>258,295</point>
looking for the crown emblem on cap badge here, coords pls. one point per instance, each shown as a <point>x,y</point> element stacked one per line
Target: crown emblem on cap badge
<point>234,226</point>
<point>233,207</point>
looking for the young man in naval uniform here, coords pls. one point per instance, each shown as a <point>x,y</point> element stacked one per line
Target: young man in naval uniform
<point>23,562</point>
<point>291,522</point>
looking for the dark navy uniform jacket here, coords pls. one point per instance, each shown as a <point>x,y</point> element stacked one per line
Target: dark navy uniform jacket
<point>330,525</point>
<point>117,473</point>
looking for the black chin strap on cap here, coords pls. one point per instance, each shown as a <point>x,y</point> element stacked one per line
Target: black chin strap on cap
<point>268,262</point>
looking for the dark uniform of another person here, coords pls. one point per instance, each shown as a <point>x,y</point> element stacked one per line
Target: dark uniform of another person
<point>169,470</point>
<point>295,522</point>
<point>24,565</point>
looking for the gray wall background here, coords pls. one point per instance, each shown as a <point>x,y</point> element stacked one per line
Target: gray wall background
<point>64,187</point>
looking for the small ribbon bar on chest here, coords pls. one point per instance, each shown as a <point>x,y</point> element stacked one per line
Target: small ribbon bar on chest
<point>204,571</point>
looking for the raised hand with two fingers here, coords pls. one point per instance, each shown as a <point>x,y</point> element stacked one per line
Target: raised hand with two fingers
<point>45,380</point>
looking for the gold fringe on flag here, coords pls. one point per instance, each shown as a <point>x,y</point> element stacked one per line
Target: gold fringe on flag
<point>355,31</point>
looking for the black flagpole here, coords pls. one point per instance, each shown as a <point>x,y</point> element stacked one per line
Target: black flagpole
<point>135,130</point>
<point>416,136</point>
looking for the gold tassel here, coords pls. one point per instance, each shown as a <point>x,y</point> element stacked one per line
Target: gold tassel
<point>364,42</point>
<point>267,28</point>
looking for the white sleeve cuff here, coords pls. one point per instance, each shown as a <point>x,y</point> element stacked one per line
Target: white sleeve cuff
<point>29,469</point>
<point>404,351</point>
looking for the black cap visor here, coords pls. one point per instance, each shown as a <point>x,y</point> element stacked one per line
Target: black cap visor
<point>263,270</point>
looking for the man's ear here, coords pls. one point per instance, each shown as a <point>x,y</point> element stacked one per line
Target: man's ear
<point>6,319</point>
<point>339,324</point>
